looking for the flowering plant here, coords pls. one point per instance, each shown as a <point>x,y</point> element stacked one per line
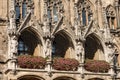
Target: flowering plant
<point>65,64</point>
<point>35,62</point>
<point>97,66</point>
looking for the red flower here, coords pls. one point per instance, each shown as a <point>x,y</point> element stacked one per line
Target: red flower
<point>65,64</point>
<point>97,66</point>
<point>35,62</point>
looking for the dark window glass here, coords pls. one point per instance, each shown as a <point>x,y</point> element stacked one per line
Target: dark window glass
<point>55,14</point>
<point>17,8</point>
<point>24,10</point>
<point>112,23</point>
<point>22,48</point>
<point>89,18</point>
<point>53,49</point>
<point>84,17</point>
<point>49,14</point>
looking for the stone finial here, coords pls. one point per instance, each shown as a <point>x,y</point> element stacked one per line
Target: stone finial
<point>98,2</point>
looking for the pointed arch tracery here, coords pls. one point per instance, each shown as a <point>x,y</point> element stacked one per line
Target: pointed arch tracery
<point>22,7</point>
<point>30,77</point>
<point>85,12</point>
<point>30,43</point>
<point>94,48</point>
<point>63,45</point>
<point>64,78</point>
<point>111,17</point>
<point>54,10</point>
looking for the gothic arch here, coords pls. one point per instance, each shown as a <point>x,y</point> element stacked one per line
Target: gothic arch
<point>33,40</point>
<point>91,4</point>
<point>66,45</point>
<point>67,33</point>
<point>30,77</point>
<point>96,78</point>
<point>111,16</point>
<point>94,48</point>
<point>111,8</point>
<point>64,78</point>
<point>36,32</point>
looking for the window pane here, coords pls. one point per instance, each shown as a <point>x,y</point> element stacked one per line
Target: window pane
<point>24,10</point>
<point>48,13</point>
<point>84,17</point>
<point>55,14</point>
<point>17,8</point>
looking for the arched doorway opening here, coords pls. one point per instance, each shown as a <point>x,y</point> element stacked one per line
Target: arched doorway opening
<point>64,78</point>
<point>29,44</point>
<point>93,48</point>
<point>62,46</point>
<point>95,79</point>
<point>30,78</point>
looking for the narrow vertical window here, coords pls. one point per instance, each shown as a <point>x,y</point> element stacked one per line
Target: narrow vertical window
<point>108,21</point>
<point>24,9</point>
<point>89,18</point>
<point>49,14</point>
<point>55,14</point>
<point>84,17</point>
<point>112,23</point>
<point>17,8</point>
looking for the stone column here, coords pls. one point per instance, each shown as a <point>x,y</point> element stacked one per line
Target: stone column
<point>48,55</point>
<point>12,17</point>
<point>80,57</point>
<point>12,39</point>
<point>99,12</point>
<point>111,58</point>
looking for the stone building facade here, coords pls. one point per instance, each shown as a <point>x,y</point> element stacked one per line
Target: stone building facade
<point>79,29</point>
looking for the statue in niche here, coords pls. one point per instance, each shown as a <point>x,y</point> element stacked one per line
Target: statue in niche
<point>14,45</point>
<point>80,52</point>
<point>12,14</point>
<point>48,49</point>
<point>111,52</point>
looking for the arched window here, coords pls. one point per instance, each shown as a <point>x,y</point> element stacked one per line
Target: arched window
<point>84,12</point>
<point>111,19</point>
<point>62,46</point>
<point>93,48</point>
<point>55,7</point>
<point>28,43</point>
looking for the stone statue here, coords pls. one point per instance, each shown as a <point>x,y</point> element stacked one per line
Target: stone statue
<point>80,52</point>
<point>12,14</point>
<point>111,52</point>
<point>14,45</point>
<point>48,49</point>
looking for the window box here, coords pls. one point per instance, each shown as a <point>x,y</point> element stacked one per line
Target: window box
<point>65,64</point>
<point>97,66</point>
<point>32,62</point>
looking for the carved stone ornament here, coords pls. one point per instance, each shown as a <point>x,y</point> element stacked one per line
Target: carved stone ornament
<point>12,14</point>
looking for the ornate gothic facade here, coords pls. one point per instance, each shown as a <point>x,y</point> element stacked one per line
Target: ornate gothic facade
<point>75,29</point>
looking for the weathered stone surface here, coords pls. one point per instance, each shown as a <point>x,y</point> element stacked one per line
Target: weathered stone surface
<point>80,29</point>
